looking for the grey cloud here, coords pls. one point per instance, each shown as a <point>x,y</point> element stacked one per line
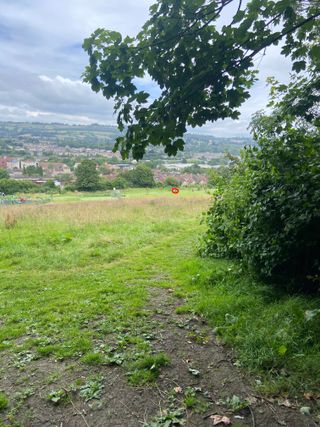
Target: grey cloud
<point>43,38</point>
<point>41,31</point>
<point>55,96</point>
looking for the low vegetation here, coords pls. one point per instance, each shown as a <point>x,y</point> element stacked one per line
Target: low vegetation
<point>3,402</point>
<point>274,335</point>
<point>12,186</point>
<point>146,369</point>
<point>75,283</point>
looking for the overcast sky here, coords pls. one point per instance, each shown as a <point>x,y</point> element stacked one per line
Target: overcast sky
<point>42,62</point>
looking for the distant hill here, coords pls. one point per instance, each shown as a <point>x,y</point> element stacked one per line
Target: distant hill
<point>103,136</point>
<point>93,136</point>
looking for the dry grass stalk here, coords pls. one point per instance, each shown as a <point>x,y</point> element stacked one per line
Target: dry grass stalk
<point>10,220</point>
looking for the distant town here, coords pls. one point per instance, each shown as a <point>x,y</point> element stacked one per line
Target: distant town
<point>40,152</point>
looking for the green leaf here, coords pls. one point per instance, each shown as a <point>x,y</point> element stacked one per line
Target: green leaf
<point>142,97</point>
<point>238,16</point>
<point>299,66</point>
<point>282,350</point>
<point>315,53</point>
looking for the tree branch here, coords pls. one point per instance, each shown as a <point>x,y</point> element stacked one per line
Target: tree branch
<point>283,34</point>
<point>186,30</point>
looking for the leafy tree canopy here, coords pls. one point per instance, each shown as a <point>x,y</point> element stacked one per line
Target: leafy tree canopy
<point>4,174</point>
<point>87,176</point>
<point>119,183</point>
<point>204,70</point>
<point>33,171</point>
<point>141,176</point>
<point>194,169</point>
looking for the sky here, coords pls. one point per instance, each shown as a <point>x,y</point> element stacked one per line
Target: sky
<point>42,62</point>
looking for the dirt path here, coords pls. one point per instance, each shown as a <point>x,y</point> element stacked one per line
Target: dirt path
<point>201,380</point>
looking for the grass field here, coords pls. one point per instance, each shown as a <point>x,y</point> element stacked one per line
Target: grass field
<point>75,289</point>
<point>56,261</point>
<point>129,193</point>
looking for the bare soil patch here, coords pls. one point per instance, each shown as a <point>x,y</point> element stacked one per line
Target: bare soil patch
<point>201,380</point>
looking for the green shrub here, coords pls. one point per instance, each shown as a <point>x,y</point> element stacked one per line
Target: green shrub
<point>268,213</point>
<point>172,181</point>
<point>141,176</point>
<point>50,185</point>
<point>12,186</point>
<point>119,183</point>
<point>70,187</point>
<point>105,184</point>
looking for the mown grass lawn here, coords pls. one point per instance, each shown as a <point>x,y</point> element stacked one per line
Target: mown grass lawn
<point>70,273</point>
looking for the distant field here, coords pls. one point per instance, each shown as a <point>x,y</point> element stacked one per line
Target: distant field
<point>132,193</point>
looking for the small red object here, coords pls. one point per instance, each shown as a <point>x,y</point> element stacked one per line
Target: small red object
<point>175,190</point>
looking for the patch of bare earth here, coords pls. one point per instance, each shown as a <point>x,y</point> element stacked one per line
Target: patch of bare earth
<point>199,366</point>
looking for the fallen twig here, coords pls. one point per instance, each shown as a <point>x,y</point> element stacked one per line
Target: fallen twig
<point>282,423</point>
<point>252,416</point>
<point>79,413</point>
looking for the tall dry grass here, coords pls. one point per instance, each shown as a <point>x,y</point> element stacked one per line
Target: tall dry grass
<point>10,220</point>
<point>96,212</point>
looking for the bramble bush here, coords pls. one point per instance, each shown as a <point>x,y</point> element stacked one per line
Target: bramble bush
<point>268,213</point>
